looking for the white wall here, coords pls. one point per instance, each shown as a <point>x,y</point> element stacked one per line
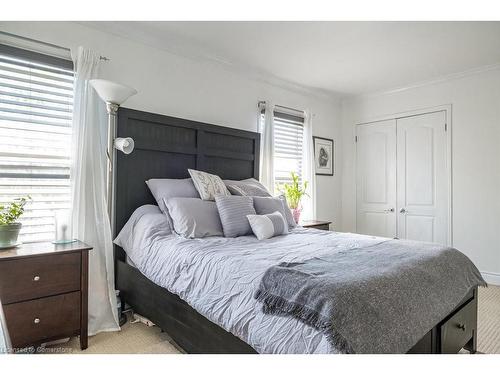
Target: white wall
<point>196,90</point>
<point>475,101</point>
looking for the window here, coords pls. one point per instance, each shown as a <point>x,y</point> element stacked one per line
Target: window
<point>288,143</point>
<point>36,103</point>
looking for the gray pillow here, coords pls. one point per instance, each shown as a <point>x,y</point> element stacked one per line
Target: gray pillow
<point>267,226</point>
<point>233,211</point>
<point>249,187</point>
<point>194,217</point>
<point>171,188</point>
<point>125,238</point>
<point>268,205</point>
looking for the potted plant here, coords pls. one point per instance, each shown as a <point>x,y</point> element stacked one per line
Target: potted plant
<point>293,193</point>
<point>9,226</point>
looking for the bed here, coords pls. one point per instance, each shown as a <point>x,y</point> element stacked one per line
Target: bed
<point>165,148</point>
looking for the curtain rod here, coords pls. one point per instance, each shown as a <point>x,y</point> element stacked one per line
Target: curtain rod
<point>263,102</point>
<point>104,58</point>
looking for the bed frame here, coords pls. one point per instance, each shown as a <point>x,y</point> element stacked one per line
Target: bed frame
<point>165,147</point>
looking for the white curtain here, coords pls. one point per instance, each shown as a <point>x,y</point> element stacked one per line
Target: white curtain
<point>91,223</point>
<point>267,148</point>
<point>308,170</point>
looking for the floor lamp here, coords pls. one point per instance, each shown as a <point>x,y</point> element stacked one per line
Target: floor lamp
<point>113,94</point>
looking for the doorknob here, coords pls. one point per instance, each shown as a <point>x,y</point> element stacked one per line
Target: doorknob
<point>403,210</point>
<point>389,210</point>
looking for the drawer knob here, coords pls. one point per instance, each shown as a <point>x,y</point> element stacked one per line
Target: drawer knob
<point>36,321</point>
<point>36,278</point>
<point>461,326</point>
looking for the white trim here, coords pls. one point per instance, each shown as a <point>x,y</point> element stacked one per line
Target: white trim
<point>414,112</point>
<point>492,278</point>
<point>447,108</point>
<point>33,45</point>
<point>430,82</point>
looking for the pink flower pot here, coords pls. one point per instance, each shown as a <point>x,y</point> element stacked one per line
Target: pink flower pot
<point>296,214</point>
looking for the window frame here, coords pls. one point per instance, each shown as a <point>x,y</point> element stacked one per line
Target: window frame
<point>36,57</point>
<point>285,113</point>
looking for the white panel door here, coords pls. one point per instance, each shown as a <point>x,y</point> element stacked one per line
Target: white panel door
<point>376,178</point>
<point>422,179</point>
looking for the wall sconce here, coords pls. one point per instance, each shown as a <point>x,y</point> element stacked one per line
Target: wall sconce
<point>125,145</point>
<point>113,94</point>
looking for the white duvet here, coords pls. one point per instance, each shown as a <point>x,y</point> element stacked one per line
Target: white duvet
<point>218,276</point>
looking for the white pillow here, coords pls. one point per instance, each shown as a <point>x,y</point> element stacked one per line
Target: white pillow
<point>267,226</point>
<point>208,185</point>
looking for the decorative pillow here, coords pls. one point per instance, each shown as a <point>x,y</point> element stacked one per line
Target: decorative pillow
<point>267,226</point>
<point>268,205</point>
<point>171,188</point>
<point>288,212</point>
<point>193,217</point>
<point>249,187</point>
<point>208,185</point>
<point>233,211</point>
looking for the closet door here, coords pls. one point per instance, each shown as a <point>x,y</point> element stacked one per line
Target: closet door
<point>422,178</point>
<point>376,178</point>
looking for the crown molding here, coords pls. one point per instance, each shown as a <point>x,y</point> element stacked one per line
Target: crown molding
<point>442,79</point>
<point>185,48</point>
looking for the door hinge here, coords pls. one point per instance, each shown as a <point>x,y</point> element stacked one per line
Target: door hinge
<point>355,138</point>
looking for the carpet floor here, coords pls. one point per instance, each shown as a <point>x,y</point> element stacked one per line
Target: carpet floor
<point>137,338</point>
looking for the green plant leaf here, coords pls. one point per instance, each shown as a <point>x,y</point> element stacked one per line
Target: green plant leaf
<point>12,211</point>
<point>293,192</point>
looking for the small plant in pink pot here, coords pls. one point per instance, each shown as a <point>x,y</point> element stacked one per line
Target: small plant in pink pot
<point>293,193</point>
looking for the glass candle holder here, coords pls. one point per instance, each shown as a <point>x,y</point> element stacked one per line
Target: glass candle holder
<point>64,233</point>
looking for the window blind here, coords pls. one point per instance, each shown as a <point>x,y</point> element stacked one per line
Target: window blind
<point>288,142</point>
<point>36,103</point>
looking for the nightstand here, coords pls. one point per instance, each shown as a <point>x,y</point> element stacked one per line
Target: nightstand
<point>44,292</point>
<point>316,224</point>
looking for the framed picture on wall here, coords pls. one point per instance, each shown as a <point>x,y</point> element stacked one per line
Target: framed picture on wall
<point>323,156</point>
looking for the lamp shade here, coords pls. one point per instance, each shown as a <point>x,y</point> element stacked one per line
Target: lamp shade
<point>125,145</point>
<point>112,92</point>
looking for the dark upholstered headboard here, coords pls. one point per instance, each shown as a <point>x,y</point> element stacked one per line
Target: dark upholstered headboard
<point>165,147</point>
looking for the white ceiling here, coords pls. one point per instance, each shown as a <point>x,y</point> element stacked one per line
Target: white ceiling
<point>346,58</point>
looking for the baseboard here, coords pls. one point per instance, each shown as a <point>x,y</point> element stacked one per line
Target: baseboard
<point>491,277</point>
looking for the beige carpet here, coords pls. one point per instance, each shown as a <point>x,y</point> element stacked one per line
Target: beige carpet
<point>138,338</point>
<point>488,333</point>
<point>134,338</point>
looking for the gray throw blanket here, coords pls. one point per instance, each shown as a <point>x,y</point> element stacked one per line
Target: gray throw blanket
<point>377,299</point>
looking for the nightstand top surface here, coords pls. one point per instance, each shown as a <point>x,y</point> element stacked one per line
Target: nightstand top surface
<point>313,223</point>
<point>41,248</point>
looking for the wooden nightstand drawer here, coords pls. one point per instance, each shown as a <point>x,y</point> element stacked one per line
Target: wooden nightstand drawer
<point>24,279</point>
<point>458,329</point>
<point>38,320</point>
